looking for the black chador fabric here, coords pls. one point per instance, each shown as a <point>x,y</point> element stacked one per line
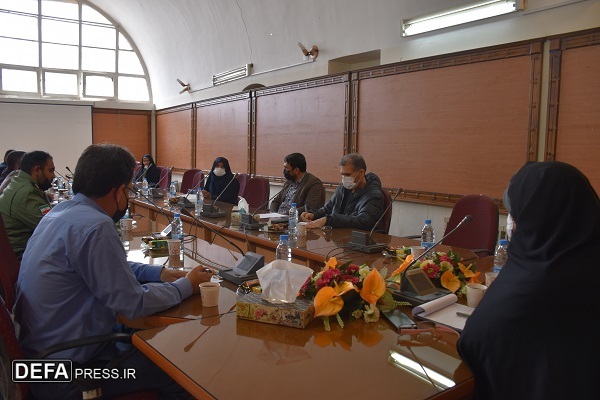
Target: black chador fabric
<point>216,184</point>
<point>534,335</point>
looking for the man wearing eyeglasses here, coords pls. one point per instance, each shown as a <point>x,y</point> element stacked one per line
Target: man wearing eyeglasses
<point>75,279</point>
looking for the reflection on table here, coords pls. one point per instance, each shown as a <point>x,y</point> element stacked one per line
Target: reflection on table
<point>226,357</point>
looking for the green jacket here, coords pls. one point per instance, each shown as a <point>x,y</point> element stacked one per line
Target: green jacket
<point>22,204</point>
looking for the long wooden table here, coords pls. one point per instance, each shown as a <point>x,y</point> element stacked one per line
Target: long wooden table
<point>215,355</point>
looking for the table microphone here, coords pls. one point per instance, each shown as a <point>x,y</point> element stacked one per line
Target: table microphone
<point>210,210</point>
<point>246,267</point>
<point>159,209</point>
<point>69,169</point>
<point>402,292</point>
<point>363,242</point>
<point>247,220</point>
<point>196,187</point>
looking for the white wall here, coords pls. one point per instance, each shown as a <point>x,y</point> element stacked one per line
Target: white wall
<point>64,131</point>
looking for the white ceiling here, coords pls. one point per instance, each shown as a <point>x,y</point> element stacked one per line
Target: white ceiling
<point>194,39</point>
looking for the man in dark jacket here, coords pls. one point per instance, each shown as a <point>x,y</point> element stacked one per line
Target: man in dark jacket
<point>357,204</point>
<point>301,187</point>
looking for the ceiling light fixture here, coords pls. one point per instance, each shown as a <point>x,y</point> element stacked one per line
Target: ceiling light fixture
<point>232,75</point>
<point>460,15</point>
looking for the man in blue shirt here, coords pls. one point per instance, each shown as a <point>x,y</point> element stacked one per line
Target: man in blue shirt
<point>75,278</point>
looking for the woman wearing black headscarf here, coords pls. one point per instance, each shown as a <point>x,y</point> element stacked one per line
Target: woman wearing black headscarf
<point>217,181</point>
<point>148,171</point>
<point>533,336</point>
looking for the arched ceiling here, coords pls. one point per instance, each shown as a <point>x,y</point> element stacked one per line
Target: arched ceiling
<point>193,39</point>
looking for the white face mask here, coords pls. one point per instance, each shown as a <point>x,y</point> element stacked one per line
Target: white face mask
<point>219,171</point>
<point>348,182</point>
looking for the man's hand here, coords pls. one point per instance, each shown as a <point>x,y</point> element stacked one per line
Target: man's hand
<point>306,216</point>
<point>198,275</point>
<point>171,275</point>
<point>319,223</point>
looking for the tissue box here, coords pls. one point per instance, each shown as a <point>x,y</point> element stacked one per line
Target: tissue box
<point>298,314</point>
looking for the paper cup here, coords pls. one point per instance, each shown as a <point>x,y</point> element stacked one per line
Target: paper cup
<point>174,247</point>
<point>210,294</point>
<point>301,227</point>
<point>475,292</point>
<point>416,251</point>
<point>126,224</point>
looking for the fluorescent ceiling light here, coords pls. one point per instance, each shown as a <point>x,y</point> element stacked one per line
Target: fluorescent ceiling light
<point>460,15</point>
<point>232,75</point>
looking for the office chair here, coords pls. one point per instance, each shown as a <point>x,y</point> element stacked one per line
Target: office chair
<point>198,177</point>
<point>384,225</point>
<point>165,181</point>
<point>9,268</point>
<point>242,180</point>
<point>481,234</point>
<point>11,350</point>
<point>187,181</point>
<point>256,192</point>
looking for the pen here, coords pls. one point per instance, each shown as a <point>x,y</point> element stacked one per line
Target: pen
<point>463,314</point>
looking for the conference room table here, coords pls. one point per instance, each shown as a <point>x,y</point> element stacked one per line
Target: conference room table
<point>214,354</point>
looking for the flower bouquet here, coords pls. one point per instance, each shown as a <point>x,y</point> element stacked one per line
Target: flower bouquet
<point>445,269</point>
<point>357,290</point>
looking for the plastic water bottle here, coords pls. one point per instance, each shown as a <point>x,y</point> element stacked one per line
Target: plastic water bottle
<point>177,232</point>
<point>284,251</point>
<point>427,234</point>
<point>70,192</point>
<point>293,222</point>
<point>172,191</point>
<point>199,203</point>
<point>501,255</point>
<point>145,187</point>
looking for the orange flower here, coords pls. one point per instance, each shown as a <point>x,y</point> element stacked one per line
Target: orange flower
<point>331,263</point>
<point>450,281</point>
<point>468,273</point>
<point>401,268</point>
<point>373,287</point>
<point>327,302</point>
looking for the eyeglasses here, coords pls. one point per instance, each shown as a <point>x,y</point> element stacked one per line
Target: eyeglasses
<point>426,332</point>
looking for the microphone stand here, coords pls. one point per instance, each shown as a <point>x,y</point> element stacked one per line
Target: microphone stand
<point>246,267</point>
<point>363,242</point>
<point>210,210</point>
<point>247,220</point>
<point>404,292</point>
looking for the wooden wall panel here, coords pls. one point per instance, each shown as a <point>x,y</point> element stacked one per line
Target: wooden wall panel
<point>578,128</point>
<point>127,128</point>
<point>222,130</point>
<point>311,121</point>
<point>456,130</point>
<point>174,139</point>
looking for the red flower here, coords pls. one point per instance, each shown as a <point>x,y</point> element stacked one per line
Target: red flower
<point>446,258</point>
<point>431,270</point>
<point>352,269</point>
<point>350,278</point>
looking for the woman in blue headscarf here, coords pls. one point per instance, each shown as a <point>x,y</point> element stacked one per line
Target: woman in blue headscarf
<point>221,183</point>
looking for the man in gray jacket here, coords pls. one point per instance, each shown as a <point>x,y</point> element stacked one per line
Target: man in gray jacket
<point>357,204</point>
<point>301,187</point>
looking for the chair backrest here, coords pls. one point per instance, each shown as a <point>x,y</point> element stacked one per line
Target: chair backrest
<point>384,225</point>
<point>242,180</point>
<point>481,234</point>
<point>198,177</point>
<point>9,267</point>
<point>187,181</point>
<point>10,350</point>
<point>256,192</point>
<point>165,177</point>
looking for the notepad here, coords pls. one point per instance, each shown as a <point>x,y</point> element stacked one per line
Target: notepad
<point>444,311</point>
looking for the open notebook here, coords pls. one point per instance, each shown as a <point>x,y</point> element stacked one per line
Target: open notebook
<point>445,311</point>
